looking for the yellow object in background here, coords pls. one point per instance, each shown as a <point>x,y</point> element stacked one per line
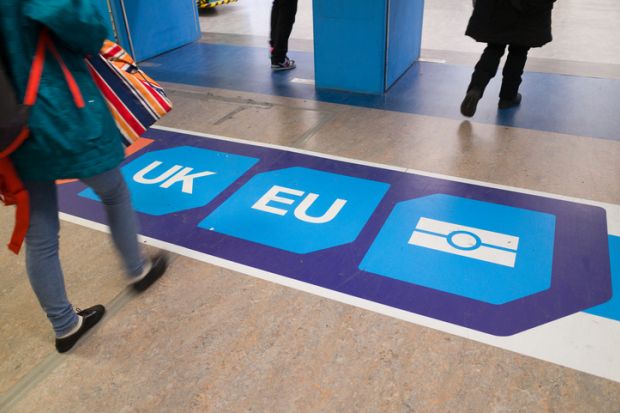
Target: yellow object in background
<point>205,4</point>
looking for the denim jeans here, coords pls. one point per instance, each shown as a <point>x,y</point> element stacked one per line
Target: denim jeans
<point>42,259</point>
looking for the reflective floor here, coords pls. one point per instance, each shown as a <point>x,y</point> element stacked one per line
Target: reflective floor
<point>208,338</point>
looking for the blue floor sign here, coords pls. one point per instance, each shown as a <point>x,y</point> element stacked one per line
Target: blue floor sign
<point>487,252</point>
<point>492,260</point>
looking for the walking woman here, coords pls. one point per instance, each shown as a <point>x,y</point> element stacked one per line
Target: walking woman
<point>516,24</point>
<point>67,140</point>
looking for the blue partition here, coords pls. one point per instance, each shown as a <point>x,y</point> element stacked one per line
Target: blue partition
<point>404,37</point>
<point>349,44</point>
<point>157,26</point>
<point>365,45</point>
<point>147,28</point>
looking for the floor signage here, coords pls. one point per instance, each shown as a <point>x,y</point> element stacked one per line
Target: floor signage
<point>490,260</point>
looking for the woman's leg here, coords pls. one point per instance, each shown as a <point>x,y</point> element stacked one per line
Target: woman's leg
<point>42,260</point>
<point>111,188</point>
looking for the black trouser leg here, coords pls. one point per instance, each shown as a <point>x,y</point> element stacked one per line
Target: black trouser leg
<point>513,70</point>
<point>275,12</point>
<point>282,19</point>
<point>486,68</point>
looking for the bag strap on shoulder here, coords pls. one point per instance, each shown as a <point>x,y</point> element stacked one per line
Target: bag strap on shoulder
<point>36,71</point>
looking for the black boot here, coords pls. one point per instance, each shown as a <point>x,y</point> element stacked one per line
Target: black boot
<point>470,103</point>
<point>90,317</point>
<point>510,103</point>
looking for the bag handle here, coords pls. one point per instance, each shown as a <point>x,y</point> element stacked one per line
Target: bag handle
<point>36,71</point>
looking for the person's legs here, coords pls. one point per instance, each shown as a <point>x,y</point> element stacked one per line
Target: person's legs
<point>513,71</point>
<point>42,260</point>
<point>43,263</point>
<point>486,68</point>
<point>283,18</point>
<point>275,12</point>
<point>111,188</point>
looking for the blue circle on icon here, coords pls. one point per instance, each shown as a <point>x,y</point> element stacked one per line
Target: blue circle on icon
<point>464,240</point>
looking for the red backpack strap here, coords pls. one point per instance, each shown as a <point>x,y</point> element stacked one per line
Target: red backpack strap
<point>16,143</point>
<point>32,89</point>
<point>36,71</point>
<point>73,86</point>
<point>14,193</point>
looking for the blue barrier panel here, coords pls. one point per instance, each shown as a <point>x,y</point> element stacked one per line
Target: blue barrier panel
<point>149,28</point>
<point>365,45</point>
<point>404,37</point>
<point>349,44</point>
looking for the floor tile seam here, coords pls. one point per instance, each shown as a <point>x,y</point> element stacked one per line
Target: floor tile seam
<point>54,360</point>
<point>230,115</point>
<point>306,136</point>
<point>207,95</point>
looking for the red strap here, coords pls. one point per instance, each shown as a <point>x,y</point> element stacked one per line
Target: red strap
<point>22,221</point>
<point>36,71</point>
<point>73,86</point>
<point>15,144</point>
<point>14,193</point>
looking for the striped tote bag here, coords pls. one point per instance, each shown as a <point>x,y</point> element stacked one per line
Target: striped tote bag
<point>135,100</point>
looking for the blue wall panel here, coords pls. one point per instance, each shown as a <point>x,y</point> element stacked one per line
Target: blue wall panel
<point>404,37</point>
<point>349,45</point>
<point>157,26</point>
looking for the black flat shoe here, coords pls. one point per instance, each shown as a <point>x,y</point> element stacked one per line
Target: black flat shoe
<point>510,103</point>
<point>90,317</point>
<point>159,264</point>
<point>470,103</point>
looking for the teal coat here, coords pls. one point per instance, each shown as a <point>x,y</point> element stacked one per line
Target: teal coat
<point>65,142</point>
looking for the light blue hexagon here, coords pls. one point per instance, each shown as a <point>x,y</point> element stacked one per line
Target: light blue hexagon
<point>298,209</point>
<point>173,180</point>
<point>611,309</point>
<point>487,252</point>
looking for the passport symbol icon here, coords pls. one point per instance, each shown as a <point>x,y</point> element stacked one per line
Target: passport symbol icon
<point>474,243</point>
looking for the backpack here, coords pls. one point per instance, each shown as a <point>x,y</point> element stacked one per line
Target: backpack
<point>14,131</point>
